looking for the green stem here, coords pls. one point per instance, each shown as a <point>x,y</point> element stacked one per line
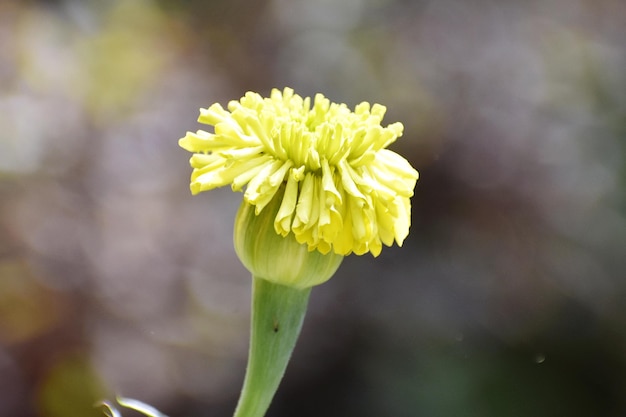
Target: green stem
<point>277,315</point>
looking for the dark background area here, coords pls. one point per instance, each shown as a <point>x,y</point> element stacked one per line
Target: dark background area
<point>507,299</point>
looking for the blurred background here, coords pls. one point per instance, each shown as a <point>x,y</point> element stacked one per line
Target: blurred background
<point>508,298</point>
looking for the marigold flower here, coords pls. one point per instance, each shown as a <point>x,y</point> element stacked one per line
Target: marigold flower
<point>343,190</point>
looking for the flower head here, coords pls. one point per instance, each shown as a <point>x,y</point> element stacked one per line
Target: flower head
<point>343,190</point>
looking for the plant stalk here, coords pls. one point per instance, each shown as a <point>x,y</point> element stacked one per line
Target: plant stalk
<point>276,319</point>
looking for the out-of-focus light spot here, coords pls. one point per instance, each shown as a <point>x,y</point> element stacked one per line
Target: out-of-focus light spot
<point>26,308</point>
<point>125,57</point>
<point>47,57</point>
<point>70,388</point>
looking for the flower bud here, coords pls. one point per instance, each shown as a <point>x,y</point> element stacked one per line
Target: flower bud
<point>281,260</point>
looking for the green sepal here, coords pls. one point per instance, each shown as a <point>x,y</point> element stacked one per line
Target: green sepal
<point>279,259</point>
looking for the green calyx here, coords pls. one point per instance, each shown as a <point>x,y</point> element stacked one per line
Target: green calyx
<point>278,259</point>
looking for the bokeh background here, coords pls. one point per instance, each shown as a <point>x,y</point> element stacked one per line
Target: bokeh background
<point>508,298</point>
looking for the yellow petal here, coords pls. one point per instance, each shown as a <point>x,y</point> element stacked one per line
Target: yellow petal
<point>253,191</point>
<point>213,115</point>
<point>403,219</point>
<point>196,142</point>
<point>262,188</point>
<point>304,206</point>
<point>348,182</point>
<point>270,185</point>
<point>250,169</point>
<point>385,224</point>
<point>328,185</point>
<point>282,224</point>
<point>344,241</point>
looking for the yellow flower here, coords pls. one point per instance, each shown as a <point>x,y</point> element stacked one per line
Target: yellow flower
<point>343,190</point>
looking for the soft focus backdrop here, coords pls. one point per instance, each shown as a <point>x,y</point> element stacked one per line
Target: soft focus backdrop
<point>508,299</point>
